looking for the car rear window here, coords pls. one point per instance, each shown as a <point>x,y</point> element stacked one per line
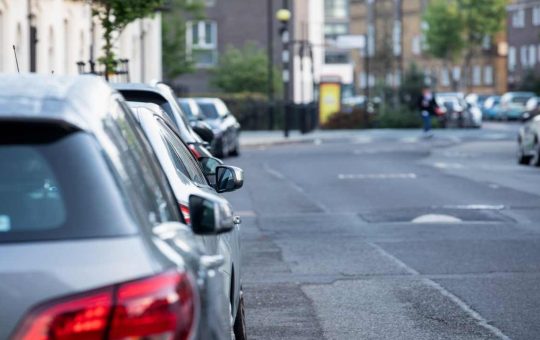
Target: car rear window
<point>209,110</point>
<point>56,184</point>
<point>149,97</point>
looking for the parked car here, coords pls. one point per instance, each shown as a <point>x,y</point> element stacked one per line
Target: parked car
<point>529,140</point>
<point>90,241</point>
<point>490,107</point>
<point>457,112</point>
<point>163,96</point>
<point>196,118</point>
<point>224,125</point>
<point>186,177</point>
<point>512,106</point>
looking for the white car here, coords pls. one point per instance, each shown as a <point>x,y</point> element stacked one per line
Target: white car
<point>187,177</point>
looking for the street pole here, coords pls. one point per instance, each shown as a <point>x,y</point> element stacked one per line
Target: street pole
<point>285,16</point>
<point>270,32</point>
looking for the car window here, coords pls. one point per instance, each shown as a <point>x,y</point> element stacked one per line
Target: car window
<point>182,154</point>
<point>154,202</point>
<point>56,185</point>
<point>209,110</point>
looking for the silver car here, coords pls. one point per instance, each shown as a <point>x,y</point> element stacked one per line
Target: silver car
<point>89,239</point>
<point>187,177</point>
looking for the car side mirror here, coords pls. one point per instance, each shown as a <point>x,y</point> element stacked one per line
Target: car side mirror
<point>210,216</point>
<point>203,130</point>
<point>228,178</point>
<point>209,164</point>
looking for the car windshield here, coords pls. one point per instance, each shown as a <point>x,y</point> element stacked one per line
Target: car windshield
<point>55,186</point>
<point>209,110</point>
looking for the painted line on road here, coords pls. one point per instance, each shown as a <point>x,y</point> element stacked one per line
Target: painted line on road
<point>293,185</point>
<point>460,303</point>
<point>436,218</point>
<point>476,207</point>
<point>441,165</point>
<point>377,176</point>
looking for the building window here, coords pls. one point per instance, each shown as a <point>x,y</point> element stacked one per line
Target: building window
<point>338,9</point>
<point>333,30</point>
<point>456,73</point>
<point>488,75</point>
<point>512,58</point>
<point>486,42</point>
<point>536,16</point>
<point>336,58</point>
<point>518,18</point>
<point>51,51</point>
<point>532,55</point>
<point>523,56</point>
<point>417,45</point>
<point>202,42</point>
<point>477,75</point>
<point>445,77</point>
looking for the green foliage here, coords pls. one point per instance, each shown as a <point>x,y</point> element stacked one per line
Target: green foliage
<point>114,16</point>
<point>357,119</point>
<point>530,82</point>
<point>481,18</point>
<point>444,34</point>
<point>244,70</point>
<point>176,59</point>
<point>412,85</point>
<point>398,118</point>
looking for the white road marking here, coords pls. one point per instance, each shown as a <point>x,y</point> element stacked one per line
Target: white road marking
<point>441,165</point>
<point>377,176</point>
<point>460,303</point>
<point>476,207</point>
<point>436,218</point>
<point>362,140</point>
<point>317,141</point>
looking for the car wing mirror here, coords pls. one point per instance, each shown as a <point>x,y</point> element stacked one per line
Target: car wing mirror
<point>228,178</point>
<point>204,131</point>
<point>210,216</point>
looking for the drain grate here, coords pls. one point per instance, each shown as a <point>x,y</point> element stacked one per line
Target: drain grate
<point>406,215</point>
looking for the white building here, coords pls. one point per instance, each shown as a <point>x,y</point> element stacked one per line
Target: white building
<point>64,37</point>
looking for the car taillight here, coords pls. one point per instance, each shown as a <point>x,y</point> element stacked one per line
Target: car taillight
<point>159,307</point>
<point>185,213</point>
<point>194,151</point>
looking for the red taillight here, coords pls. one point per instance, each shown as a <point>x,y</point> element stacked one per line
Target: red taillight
<point>162,306</point>
<point>194,151</point>
<point>185,213</point>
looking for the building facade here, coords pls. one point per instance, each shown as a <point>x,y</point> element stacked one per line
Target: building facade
<point>52,36</point>
<point>237,22</point>
<point>394,31</point>
<point>523,27</point>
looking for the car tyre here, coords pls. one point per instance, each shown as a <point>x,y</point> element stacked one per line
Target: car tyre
<point>236,151</point>
<point>240,330</point>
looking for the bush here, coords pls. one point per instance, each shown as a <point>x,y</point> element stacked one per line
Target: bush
<point>398,118</point>
<point>357,119</point>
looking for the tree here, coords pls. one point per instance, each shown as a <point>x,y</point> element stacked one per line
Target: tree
<point>244,70</point>
<point>412,85</point>
<point>444,36</point>
<point>457,28</point>
<point>176,59</point>
<point>114,16</point>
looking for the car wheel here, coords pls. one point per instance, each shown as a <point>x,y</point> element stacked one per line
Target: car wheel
<point>521,157</point>
<point>535,159</point>
<point>240,331</point>
<point>236,151</point>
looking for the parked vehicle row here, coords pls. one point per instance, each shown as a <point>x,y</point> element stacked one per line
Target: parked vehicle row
<point>457,112</point>
<point>111,219</point>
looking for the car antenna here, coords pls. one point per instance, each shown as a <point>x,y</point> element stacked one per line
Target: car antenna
<point>16,60</point>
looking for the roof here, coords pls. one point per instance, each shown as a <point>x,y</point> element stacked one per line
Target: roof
<point>136,87</point>
<point>81,101</point>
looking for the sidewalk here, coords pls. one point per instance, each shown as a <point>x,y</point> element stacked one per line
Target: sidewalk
<point>491,131</point>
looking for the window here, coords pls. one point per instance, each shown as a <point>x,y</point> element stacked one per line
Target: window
<point>518,18</point>
<point>338,9</point>
<point>182,155</point>
<point>332,31</point>
<point>396,39</point>
<point>417,45</point>
<point>532,55</point>
<point>512,58</point>
<point>445,78</point>
<point>202,42</point>
<point>486,42</point>
<point>336,58</point>
<point>523,56</point>
<point>477,75</point>
<point>536,16</point>
<point>51,51</point>
<point>488,75</point>
<point>456,73</point>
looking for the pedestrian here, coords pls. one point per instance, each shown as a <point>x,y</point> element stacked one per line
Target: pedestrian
<point>427,107</point>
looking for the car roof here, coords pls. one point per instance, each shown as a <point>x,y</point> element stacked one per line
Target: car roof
<point>80,101</point>
<point>136,87</point>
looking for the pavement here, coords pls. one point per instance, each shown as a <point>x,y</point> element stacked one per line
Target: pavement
<point>383,234</point>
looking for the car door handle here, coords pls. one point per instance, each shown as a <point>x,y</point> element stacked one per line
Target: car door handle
<point>212,261</point>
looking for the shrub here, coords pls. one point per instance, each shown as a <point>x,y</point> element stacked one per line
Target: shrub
<point>398,118</point>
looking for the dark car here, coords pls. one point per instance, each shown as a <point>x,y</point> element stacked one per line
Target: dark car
<point>224,125</point>
<point>162,96</point>
<point>90,242</point>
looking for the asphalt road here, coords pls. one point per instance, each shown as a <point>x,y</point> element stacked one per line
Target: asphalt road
<point>385,235</point>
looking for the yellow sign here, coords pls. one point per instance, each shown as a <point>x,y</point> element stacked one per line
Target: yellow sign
<point>330,100</point>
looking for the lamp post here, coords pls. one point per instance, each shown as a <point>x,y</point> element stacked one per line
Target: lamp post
<point>284,16</point>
